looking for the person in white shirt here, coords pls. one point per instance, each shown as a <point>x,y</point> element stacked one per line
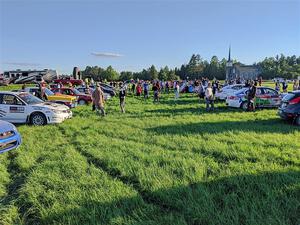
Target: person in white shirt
<point>176,88</point>
<point>209,97</point>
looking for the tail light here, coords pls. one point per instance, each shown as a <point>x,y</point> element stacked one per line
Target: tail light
<point>295,101</point>
<point>233,98</point>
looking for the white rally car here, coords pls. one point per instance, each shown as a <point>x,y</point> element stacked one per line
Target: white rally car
<point>228,91</point>
<point>22,107</point>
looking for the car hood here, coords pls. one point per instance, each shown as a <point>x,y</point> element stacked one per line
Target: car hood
<point>61,97</point>
<point>51,105</point>
<point>6,126</point>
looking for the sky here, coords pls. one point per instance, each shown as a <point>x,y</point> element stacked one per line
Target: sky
<point>132,35</point>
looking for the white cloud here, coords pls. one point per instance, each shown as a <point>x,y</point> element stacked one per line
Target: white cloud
<point>106,54</point>
<point>21,64</point>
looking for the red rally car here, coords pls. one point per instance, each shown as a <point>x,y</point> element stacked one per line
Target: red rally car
<point>82,98</point>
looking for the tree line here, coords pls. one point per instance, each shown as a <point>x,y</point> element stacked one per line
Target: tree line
<point>278,66</point>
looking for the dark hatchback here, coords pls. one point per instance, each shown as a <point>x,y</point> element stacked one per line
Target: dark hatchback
<point>290,107</point>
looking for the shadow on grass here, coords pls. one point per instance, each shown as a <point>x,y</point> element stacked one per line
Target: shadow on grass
<point>194,110</point>
<point>266,198</point>
<point>259,126</point>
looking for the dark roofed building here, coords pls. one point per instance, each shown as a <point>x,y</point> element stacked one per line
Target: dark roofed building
<point>238,70</point>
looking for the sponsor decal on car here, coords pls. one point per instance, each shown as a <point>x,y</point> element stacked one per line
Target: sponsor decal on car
<point>16,109</point>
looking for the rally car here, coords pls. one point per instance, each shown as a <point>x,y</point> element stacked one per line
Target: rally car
<point>22,107</point>
<point>265,98</point>
<point>290,107</point>
<point>82,98</point>
<point>9,137</point>
<point>67,100</point>
<point>228,90</point>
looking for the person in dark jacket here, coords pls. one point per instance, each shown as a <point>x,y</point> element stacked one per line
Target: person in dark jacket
<point>122,95</point>
<point>251,97</point>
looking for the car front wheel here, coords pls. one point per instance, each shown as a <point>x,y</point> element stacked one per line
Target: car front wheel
<point>244,106</point>
<point>82,102</point>
<point>38,119</point>
<point>297,121</point>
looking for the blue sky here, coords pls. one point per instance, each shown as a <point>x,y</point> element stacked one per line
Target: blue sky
<point>63,34</point>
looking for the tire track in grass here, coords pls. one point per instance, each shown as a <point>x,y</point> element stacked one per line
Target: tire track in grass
<point>131,181</point>
<point>18,179</point>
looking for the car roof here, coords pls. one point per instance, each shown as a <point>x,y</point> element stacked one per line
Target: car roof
<point>8,92</point>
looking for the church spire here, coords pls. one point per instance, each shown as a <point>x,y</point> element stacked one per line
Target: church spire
<point>229,58</point>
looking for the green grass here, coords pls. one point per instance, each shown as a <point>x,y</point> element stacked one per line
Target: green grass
<point>160,163</point>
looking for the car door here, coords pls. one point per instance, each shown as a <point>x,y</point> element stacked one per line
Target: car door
<point>273,96</point>
<point>12,109</point>
<point>260,98</point>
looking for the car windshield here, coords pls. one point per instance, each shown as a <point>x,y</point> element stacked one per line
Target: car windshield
<point>48,92</point>
<point>30,99</point>
<point>288,97</point>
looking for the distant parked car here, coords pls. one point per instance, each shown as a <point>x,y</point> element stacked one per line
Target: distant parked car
<point>106,89</point>
<point>265,98</point>
<point>290,107</point>
<point>82,98</point>
<point>22,107</point>
<point>67,100</point>
<point>9,136</point>
<point>229,90</point>
<point>89,91</point>
<point>65,81</point>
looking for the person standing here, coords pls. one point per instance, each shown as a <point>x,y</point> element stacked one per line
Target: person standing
<point>133,87</point>
<point>176,90</point>
<point>146,90</point>
<point>277,86</point>
<point>156,92</point>
<point>122,95</point>
<point>167,87</point>
<point>295,85</point>
<point>209,97</point>
<point>138,89</point>
<point>284,86</point>
<point>260,81</point>
<point>98,100</point>
<point>251,97</point>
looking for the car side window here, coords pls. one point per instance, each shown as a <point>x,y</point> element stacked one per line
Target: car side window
<point>66,92</point>
<point>270,92</point>
<point>259,91</point>
<point>8,99</point>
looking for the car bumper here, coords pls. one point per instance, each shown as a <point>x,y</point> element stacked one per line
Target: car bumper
<point>71,105</point>
<point>10,143</point>
<point>59,118</point>
<point>234,104</point>
<point>286,115</point>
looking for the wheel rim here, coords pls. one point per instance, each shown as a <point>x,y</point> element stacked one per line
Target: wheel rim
<point>298,121</point>
<point>38,120</point>
<point>244,106</point>
<point>81,102</point>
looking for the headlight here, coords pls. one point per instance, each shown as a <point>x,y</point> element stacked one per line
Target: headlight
<point>56,111</point>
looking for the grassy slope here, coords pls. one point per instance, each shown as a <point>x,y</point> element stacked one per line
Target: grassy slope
<point>157,164</point>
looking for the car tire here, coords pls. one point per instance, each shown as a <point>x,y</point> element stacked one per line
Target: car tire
<point>297,120</point>
<point>38,119</point>
<point>244,106</point>
<point>81,102</point>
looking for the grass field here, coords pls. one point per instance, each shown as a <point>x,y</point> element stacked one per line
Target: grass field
<point>160,163</point>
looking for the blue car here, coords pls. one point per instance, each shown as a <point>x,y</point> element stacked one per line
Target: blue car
<point>9,137</point>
